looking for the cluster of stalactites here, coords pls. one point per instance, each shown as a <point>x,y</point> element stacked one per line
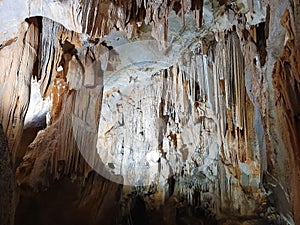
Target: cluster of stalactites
<point>100,16</point>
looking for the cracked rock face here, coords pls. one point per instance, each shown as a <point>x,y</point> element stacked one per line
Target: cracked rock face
<point>188,109</point>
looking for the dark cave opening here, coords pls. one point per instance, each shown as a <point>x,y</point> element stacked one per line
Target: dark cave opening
<point>56,206</point>
<point>138,214</point>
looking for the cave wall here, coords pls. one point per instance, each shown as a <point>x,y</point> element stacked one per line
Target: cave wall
<point>194,103</point>
<point>7,181</point>
<point>15,81</point>
<point>283,142</point>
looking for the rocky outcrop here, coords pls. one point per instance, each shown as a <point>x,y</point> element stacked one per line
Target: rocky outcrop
<point>189,108</point>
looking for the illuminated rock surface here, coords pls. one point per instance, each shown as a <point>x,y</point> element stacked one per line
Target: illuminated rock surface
<point>150,112</point>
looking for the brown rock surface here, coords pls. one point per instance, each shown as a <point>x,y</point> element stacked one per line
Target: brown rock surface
<point>6,181</point>
<point>190,109</point>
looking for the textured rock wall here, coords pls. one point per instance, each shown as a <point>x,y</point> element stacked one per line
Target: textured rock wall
<point>15,81</point>
<point>189,121</point>
<point>284,140</point>
<point>203,122</point>
<point>6,181</point>
<point>62,155</point>
<point>98,17</point>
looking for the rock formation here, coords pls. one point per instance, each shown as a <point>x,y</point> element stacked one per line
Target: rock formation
<point>7,179</point>
<point>150,112</point>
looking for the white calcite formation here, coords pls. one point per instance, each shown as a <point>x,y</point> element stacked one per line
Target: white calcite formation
<point>185,103</point>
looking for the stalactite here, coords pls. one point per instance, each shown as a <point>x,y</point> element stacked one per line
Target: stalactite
<point>203,118</point>
<point>64,135</point>
<point>127,15</point>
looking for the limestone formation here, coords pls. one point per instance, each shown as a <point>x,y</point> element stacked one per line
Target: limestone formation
<point>150,112</point>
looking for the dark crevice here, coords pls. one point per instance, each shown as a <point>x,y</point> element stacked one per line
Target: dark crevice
<point>223,2</point>
<point>8,43</point>
<point>197,92</point>
<point>69,51</point>
<point>6,180</point>
<point>177,7</point>
<point>138,214</point>
<point>68,48</point>
<point>28,136</point>
<point>105,45</point>
<point>261,42</point>
<point>197,4</point>
<point>267,23</point>
<point>38,23</point>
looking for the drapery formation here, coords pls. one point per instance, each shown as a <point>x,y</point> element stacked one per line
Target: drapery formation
<point>194,102</point>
